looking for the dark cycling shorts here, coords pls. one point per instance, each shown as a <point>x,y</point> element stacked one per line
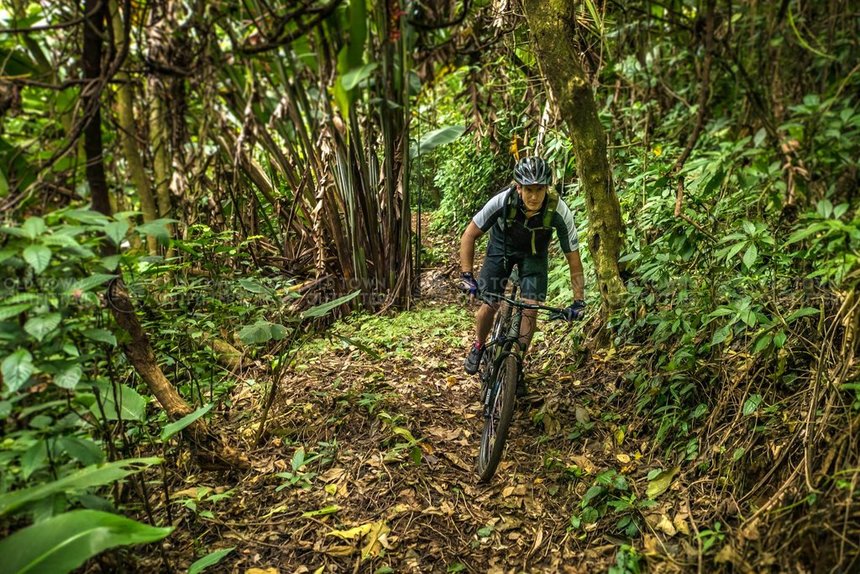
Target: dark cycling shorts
<point>533,275</point>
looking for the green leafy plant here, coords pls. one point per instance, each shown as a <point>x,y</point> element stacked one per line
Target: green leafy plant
<point>63,543</point>
<point>610,493</point>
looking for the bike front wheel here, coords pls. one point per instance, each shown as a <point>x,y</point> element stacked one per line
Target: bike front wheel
<point>497,419</point>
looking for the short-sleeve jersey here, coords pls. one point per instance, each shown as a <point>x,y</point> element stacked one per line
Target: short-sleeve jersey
<point>524,236</point>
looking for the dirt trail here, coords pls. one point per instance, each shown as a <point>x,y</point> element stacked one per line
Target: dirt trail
<point>388,433</point>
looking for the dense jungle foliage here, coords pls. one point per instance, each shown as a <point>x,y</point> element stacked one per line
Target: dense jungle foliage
<point>229,332</point>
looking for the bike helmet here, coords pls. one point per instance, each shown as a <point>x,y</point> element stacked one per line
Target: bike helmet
<point>532,171</point>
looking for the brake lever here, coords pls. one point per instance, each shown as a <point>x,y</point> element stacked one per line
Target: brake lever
<point>558,317</point>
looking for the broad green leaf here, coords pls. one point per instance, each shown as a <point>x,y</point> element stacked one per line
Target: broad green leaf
<point>438,137</point>
<point>22,298</point>
<point>209,560</point>
<point>750,256</point>
<point>84,450</point>
<point>38,257</point>
<point>749,227</point>
<point>779,339</point>
<point>67,241</point>
<point>88,283</point>
<point>100,335</point>
<point>298,459</point>
<point>69,378</point>
<point>175,427</point>
<point>40,325</point>
<point>34,458</point>
<point>96,475</point>
<point>156,228</point>
<point>13,310</point>
<point>8,252</point>
<point>355,76</point>
<point>262,332</point>
<point>132,406</point>
<point>4,184</point>
<point>802,234</point>
<point>33,227</point>
<point>253,286</point>
<point>721,334</point>
<point>13,231</point>
<point>87,216</point>
<point>824,208</point>
<point>735,249</point>
<point>803,312</point>
<point>661,482</point>
<point>751,405</point>
<point>591,494</point>
<point>116,230</point>
<point>321,310</point>
<point>17,369</point>
<point>63,543</point>
<point>762,343</point>
<point>111,262</point>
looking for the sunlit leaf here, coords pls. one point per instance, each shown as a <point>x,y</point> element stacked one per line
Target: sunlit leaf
<point>209,560</point>
<point>116,230</point>
<point>803,312</point>
<point>436,138</point>
<point>96,475</point>
<point>121,403</point>
<point>751,404</point>
<point>63,543</point>
<point>354,77</point>
<point>175,427</point>
<point>38,257</point>
<point>750,256</point>
<point>321,310</point>
<point>40,325</point>
<point>69,378</point>
<point>660,483</point>
<point>17,369</point>
<point>33,227</point>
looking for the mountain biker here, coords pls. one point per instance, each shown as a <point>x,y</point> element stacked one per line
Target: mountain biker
<point>522,218</point>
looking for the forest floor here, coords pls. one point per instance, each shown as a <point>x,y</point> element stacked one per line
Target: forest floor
<point>368,462</point>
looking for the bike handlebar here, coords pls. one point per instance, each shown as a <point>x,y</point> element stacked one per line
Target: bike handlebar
<point>555,312</point>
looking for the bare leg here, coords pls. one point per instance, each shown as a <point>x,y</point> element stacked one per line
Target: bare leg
<point>484,322</point>
<point>528,324</point>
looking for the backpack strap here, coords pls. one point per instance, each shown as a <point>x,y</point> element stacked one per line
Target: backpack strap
<point>551,205</point>
<point>512,202</point>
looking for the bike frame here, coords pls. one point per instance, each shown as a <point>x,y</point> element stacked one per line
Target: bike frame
<point>503,354</point>
<point>500,347</point>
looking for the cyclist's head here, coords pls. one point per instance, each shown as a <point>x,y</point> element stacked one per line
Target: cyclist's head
<point>532,171</point>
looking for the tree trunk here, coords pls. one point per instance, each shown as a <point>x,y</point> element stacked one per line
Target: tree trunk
<point>160,32</point>
<point>94,27</point>
<point>128,133</point>
<point>160,142</point>
<point>138,350</point>
<point>550,23</point>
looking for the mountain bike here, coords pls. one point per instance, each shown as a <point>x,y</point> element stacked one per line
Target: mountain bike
<point>500,370</point>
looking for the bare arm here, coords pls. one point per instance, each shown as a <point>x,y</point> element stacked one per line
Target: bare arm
<point>577,277</point>
<point>467,247</point>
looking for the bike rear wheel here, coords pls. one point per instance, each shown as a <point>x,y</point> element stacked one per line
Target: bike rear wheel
<point>498,420</point>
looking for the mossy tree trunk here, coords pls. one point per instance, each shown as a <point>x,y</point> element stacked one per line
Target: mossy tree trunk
<point>550,23</point>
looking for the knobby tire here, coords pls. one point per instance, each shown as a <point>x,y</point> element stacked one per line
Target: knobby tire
<point>494,436</point>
